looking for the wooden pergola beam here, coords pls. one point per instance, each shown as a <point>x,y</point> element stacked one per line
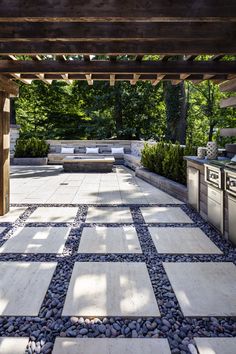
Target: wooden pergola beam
<point>42,78</point>
<point>123,66</point>
<point>112,80</point>
<point>4,152</point>
<point>89,79</point>
<point>135,79</point>
<point>119,77</point>
<point>157,80</point>
<point>8,86</point>
<point>76,31</point>
<point>117,10</point>
<point>18,77</point>
<point>131,47</point>
<point>228,86</point>
<point>228,102</point>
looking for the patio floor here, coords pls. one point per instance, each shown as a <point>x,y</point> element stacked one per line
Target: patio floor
<point>108,264</point>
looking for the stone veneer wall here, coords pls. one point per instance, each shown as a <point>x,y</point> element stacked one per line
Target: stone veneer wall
<point>137,146</point>
<point>14,135</point>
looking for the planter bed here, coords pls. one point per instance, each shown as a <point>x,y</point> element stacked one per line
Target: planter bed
<point>29,161</point>
<point>173,188</point>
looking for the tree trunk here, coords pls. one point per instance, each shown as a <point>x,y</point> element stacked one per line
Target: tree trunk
<point>211,130</point>
<point>176,112</point>
<point>118,111</point>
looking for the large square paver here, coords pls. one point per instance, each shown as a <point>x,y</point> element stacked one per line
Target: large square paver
<point>204,289</point>
<point>165,215</point>
<point>111,346</point>
<point>216,345</point>
<point>109,240</point>
<point>177,240</point>
<point>110,289</point>
<point>10,345</point>
<point>23,287</point>
<point>53,214</point>
<point>12,215</point>
<point>109,215</point>
<point>36,240</point>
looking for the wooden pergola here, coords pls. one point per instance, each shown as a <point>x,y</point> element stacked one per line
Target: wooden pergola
<point>144,40</point>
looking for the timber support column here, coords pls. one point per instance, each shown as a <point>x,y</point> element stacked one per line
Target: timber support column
<point>4,152</point>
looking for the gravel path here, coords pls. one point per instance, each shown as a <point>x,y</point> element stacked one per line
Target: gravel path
<point>49,324</point>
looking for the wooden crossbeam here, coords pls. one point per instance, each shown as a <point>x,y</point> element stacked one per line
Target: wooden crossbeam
<point>131,47</point>
<point>37,57</point>
<point>217,57</point>
<point>228,86</point>
<point>135,79</point>
<point>8,86</point>
<point>228,102</point>
<point>118,10</point>
<point>89,79</point>
<point>112,80</point>
<point>187,58</point>
<point>13,57</point>
<point>157,80</point>
<point>4,152</point>
<point>176,82</point>
<point>123,66</point>
<point>127,77</point>
<point>77,31</point>
<point>66,78</point>
<point>42,78</point>
<point>18,77</point>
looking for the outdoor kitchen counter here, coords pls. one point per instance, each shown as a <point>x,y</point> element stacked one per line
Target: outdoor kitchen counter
<point>197,187</point>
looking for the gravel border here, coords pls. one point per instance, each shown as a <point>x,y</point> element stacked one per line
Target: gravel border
<point>179,330</point>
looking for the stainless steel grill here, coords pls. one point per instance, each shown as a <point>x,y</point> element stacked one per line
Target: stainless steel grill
<point>215,195</point>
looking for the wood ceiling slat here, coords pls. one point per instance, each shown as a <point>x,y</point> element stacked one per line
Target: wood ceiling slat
<point>228,86</point>
<point>115,10</point>
<point>76,31</point>
<point>8,86</point>
<point>105,66</point>
<point>171,47</point>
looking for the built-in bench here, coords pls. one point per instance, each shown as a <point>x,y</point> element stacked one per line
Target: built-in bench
<point>56,154</point>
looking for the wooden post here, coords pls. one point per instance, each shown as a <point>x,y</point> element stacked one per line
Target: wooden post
<point>4,152</point>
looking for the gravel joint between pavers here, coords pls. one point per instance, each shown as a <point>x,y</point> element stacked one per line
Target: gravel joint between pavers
<point>49,324</point>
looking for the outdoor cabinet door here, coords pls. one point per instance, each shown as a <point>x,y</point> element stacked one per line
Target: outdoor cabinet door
<point>193,187</point>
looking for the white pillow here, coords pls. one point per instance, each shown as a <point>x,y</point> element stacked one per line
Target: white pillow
<point>117,150</point>
<point>92,150</point>
<point>67,150</point>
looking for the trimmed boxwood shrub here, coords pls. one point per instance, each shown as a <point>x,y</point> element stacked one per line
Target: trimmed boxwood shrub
<point>32,147</point>
<point>167,159</point>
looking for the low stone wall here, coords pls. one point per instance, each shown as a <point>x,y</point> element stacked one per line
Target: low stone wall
<point>132,161</point>
<point>14,135</point>
<point>80,145</point>
<point>175,189</point>
<point>138,145</point>
<point>29,161</point>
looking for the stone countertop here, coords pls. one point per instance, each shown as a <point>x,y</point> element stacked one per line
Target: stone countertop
<point>194,159</point>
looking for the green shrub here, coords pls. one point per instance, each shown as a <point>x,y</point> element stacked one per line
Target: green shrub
<point>32,147</point>
<point>167,160</point>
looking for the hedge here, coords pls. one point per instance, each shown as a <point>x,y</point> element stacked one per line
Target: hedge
<point>32,147</point>
<point>167,159</point>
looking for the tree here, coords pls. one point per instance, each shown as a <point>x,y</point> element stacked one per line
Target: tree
<point>176,112</point>
<point>205,115</point>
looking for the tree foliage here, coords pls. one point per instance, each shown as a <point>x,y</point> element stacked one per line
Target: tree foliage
<point>185,112</point>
